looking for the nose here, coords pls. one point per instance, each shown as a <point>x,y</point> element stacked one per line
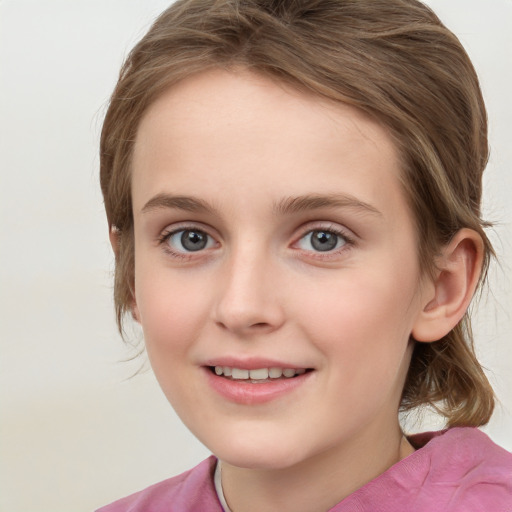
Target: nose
<point>248,300</point>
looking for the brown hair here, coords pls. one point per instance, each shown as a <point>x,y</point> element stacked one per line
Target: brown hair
<point>392,59</point>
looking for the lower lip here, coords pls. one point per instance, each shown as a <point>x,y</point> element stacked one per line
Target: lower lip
<point>247,393</point>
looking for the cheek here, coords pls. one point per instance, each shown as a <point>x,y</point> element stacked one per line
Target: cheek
<point>172,315</point>
<point>363,334</point>
<point>171,311</point>
<point>363,322</point>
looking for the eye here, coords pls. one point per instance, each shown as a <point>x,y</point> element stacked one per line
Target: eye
<point>189,240</point>
<point>321,240</point>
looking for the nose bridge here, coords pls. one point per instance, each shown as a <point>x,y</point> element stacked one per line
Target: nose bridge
<point>247,299</point>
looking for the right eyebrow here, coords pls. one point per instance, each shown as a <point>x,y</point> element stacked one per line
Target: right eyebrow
<point>186,203</point>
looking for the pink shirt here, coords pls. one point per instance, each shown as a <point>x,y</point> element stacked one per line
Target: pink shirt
<point>458,470</point>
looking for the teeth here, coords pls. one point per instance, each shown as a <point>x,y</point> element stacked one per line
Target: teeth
<point>259,373</point>
<point>275,373</point>
<point>237,374</point>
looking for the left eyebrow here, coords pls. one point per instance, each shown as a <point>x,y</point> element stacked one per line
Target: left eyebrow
<point>299,204</point>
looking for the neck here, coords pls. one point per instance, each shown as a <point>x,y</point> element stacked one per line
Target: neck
<point>317,483</point>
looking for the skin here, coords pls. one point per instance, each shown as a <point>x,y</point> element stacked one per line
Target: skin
<point>243,144</point>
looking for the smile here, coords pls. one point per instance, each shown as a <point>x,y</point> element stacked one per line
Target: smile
<point>256,385</point>
<point>258,374</point>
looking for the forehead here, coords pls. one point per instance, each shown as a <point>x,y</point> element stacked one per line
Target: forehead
<point>219,131</point>
<point>215,99</point>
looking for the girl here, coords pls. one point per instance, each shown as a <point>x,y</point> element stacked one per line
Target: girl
<point>293,192</point>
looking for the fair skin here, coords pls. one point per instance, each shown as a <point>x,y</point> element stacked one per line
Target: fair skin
<point>271,230</point>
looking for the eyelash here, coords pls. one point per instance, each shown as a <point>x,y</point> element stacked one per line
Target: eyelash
<point>348,241</point>
<point>164,238</point>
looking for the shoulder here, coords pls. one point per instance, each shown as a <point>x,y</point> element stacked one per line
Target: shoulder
<point>470,471</point>
<point>191,491</point>
<point>462,447</point>
<point>456,470</point>
<point>464,455</point>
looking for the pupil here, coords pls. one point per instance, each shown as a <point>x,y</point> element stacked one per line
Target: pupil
<point>193,240</point>
<point>323,240</point>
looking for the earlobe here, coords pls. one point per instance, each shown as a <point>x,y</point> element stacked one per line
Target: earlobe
<point>114,235</point>
<point>135,312</point>
<point>458,272</point>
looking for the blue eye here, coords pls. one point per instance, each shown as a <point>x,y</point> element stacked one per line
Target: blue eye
<point>189,240</point>
<point>321,240</point>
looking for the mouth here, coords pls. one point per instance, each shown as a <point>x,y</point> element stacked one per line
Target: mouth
<point>256,383</point>
<point>258,375</point>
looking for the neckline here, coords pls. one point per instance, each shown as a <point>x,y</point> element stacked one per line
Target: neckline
<point>418,441</point>
<point>217,480</point>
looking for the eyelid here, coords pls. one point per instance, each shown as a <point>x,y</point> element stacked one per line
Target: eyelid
<point>184,226</point>
<point>348,235</point>
<point>337,229</point>
<point>325,226</point>
<point>172,229</point>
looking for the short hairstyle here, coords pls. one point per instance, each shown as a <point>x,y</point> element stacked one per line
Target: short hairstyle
<point>393,60</point>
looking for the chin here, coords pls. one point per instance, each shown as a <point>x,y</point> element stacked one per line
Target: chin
<point>258,454</point>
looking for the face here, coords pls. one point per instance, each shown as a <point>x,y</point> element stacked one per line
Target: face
<point>276,278</point>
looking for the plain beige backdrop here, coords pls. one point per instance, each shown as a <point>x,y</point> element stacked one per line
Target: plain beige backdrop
<point>75,431</point>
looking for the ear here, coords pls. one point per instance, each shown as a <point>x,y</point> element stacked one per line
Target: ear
<point>115,239</point>
<point>450,292</point>
<point>114,235</point>
<point>135,310</point>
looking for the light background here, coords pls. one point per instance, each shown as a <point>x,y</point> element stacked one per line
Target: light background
<point>75,431</point>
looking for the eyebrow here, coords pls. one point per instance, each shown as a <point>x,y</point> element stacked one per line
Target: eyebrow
<point>299,204</point>
<point>286,206</point>
<point>186,203</point>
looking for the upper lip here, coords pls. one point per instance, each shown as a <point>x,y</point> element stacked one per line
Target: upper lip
<point>252,363</point>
